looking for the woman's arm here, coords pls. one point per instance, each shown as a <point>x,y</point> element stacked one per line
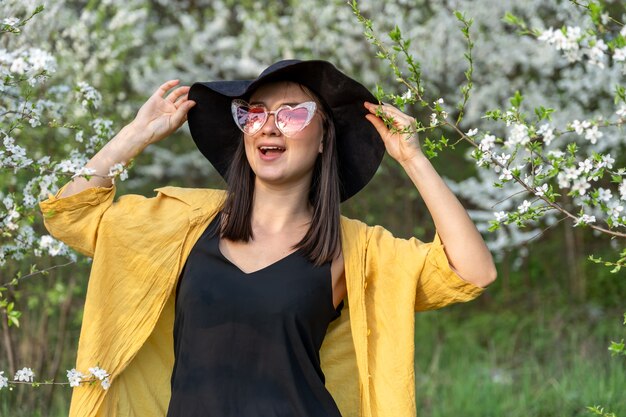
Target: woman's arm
<point>465,248</point>
<point>157,118</point>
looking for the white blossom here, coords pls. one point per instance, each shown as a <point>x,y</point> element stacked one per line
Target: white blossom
<point>604,195</point>
<point>619,55</point>
<point>472,132</point>
<point>621,112</point>
<point>8,202</point>
<point>585,166</point>
<point>28,200</point>
<point>433,119</point>
<point>487,142</point>
<point>11,21</point>
<point>500,215</point>
<point>593,134</point>
<point>84,171</point>
<point>581,186</point>
<point>614,209</point>
<point>19,66</point>
<point>98,372</point>
<point>547,133</point>
<point>523,208</point>
<point>571,173</point>
<point>542,190</point>
<point>580,127</point>
<point>606,161</point>
<point>596,53</point>
<point>91,96</point>
<point>4,381</point>
<point>622,190</point>
<point>506,174</point>
<point>52,246</point>
<point>75,377</point>
<point>24,374</point>
<point>118,170</point>
<point>562,41</point>
<point>503,158</point>
<point>585,219</point>
<point>518,136</point>
<point>67,166</point>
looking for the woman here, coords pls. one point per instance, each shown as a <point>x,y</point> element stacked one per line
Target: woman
<point>202,303</point>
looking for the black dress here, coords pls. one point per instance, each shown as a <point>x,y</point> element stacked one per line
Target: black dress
<point>247,345</point>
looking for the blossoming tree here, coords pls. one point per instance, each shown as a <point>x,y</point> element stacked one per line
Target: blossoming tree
<point>71,74</point>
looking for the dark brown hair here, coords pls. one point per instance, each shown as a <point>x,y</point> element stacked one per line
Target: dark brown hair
<point>321,242</point>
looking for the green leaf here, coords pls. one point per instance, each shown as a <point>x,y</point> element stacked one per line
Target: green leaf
<point>395,34</point>
<point>511,19</point>
<point>516,100</point>
<point>617,348</point>
<point>543,113</point>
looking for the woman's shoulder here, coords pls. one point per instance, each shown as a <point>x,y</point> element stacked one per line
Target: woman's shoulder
<point>356,226</point>
<point>168,199</point>
<point>191,196</point>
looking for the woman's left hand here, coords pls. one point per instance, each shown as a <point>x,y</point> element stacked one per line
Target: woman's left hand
<point>401,146</point>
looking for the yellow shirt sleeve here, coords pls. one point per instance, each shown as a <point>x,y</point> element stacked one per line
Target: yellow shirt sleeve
<point>394,261</point>
<point>75,219</point>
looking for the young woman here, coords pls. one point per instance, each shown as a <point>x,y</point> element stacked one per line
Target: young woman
<point>263,300</point>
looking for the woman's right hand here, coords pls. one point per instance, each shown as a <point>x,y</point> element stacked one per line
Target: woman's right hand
<point>162,115</point>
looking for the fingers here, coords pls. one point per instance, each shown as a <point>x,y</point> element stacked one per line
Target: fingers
<point>400,120</point>
<point>165,87</point>
<point>378,124</point>
<point>178,93</point>
<point>183,108</point>
<point>399,117</point>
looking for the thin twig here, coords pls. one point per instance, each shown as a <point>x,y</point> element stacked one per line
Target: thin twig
<point>41,271</point>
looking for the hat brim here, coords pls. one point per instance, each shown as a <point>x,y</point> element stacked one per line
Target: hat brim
<point>359,146</point>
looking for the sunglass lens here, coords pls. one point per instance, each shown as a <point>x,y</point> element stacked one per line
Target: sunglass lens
<point>251,119</point>
<point>291,121</point>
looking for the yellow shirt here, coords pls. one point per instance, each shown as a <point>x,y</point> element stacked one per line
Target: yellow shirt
<point>139,246</point>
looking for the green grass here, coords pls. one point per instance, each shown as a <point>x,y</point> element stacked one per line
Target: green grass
<point>478,361</point>
<point>514,364</point>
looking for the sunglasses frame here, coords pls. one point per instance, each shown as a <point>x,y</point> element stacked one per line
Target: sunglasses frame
<point>310,106</point>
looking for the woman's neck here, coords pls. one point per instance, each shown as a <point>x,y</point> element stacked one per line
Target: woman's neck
<point>277,209</point>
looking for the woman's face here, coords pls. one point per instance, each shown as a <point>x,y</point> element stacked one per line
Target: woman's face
<point>278,160</point>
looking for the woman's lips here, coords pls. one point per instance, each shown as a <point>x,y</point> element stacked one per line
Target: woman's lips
<point>270,153</point>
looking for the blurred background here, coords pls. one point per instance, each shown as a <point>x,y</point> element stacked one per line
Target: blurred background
<point>535,344</point>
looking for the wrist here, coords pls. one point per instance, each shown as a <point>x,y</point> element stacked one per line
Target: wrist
<point>137,135</point>
<point>416,162</point>
<point>126,145</point>
<point>133,138</point>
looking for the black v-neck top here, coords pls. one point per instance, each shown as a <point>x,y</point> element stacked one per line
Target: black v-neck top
<point>247,344</point>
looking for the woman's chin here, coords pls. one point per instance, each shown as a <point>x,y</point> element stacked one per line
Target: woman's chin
<point>277,180</point>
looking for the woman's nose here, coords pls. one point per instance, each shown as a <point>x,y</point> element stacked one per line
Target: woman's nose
<point>269,128</point>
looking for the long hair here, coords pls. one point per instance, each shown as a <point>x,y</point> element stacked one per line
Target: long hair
<point>321,242</point>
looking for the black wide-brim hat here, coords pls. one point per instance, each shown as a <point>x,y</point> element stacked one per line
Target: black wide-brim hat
<point>359,146</point>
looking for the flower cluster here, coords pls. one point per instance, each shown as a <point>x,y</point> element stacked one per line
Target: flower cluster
<point>88,95</point>
<point>34,122</point>
<point>535,161</point>
<point>29,63</point>
<point>75,378</point>
<point>578,45</point>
